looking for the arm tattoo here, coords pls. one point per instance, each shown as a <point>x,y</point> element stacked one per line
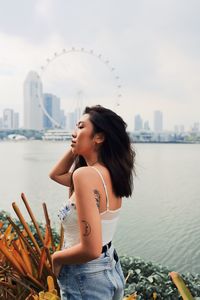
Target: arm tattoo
<point>87,228</point>
<point>97,197</point>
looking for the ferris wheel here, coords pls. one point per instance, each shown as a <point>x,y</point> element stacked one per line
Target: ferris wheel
<point>79,78</point>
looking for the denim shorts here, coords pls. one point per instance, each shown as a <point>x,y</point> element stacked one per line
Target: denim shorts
<point>99,279</point>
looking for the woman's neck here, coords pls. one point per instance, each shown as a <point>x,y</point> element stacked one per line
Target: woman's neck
<point>91,161</point>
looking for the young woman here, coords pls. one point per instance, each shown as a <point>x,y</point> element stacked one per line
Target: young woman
<point>102,159</point>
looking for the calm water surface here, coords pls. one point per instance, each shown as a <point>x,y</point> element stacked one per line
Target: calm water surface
<point>160,223</point>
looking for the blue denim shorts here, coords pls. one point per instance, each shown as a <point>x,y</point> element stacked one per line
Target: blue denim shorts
<point>99,279</point>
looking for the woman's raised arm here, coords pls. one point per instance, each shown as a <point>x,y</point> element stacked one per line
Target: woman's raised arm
<point>60,173</point>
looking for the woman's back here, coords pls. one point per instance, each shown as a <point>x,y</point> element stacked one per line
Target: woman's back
<point>108,200</point>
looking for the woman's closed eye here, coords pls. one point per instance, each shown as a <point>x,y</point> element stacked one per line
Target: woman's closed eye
<point>80,125</point>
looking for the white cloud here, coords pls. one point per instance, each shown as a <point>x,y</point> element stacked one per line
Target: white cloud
<point>152,44</point>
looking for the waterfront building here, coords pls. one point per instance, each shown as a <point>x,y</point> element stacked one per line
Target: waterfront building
<point>15,120</point>
<point>52,106</point>
<point>62,119</point>
<point>33,114</point>
<point>8,118</point>
<point>196,127</point>
<point>57,135</point>
<point>179,129</point>
<point>138,123</point>
<point>158,121</point>
<point>142,136</point>
<point>1,123</point>
<point>146,126</point>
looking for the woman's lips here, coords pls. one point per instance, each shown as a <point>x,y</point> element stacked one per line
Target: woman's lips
<point>73,143</point>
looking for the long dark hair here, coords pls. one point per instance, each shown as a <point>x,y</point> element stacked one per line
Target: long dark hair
<point>116,152</point>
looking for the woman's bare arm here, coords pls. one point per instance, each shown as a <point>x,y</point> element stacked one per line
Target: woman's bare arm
<point>60,173</point>
<point>90,245</point>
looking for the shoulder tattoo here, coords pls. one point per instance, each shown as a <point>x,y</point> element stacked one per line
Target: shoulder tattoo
<point>87,228</point>
<point>97,197</point>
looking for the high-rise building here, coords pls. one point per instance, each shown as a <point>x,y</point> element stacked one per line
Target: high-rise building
<point>16,120</point>
<point>52,106</point>
<point>138,123</point>
<point>62,119</point>
<point>8,118</point>
<point>33,114</point>
<point>158,121</point>
<point>146,125</point>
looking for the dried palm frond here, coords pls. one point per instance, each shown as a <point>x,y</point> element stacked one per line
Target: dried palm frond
<point>25,258</point>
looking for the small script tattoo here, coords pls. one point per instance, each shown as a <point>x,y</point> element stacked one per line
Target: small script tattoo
<point>97,197</point>
<point>87,228</point>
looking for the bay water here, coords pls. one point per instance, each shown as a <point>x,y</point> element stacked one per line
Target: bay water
<point>159,223</point>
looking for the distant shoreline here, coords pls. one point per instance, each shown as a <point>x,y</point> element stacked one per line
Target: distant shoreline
<point>133,142</point>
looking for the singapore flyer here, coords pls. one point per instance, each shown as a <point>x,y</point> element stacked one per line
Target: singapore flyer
<point>79,78</point>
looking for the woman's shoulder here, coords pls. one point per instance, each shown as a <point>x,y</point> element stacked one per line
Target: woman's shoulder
<point>83,171</point>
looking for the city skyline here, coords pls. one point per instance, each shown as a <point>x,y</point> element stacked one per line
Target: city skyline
<point>152,44</point>
<point>69,121</point>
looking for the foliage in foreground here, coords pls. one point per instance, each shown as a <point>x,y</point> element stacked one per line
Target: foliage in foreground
<point>25,255</point>
<point>26,267</point>
<point>151,281</point>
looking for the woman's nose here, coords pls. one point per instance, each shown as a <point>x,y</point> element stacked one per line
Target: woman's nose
<point>74,133</point>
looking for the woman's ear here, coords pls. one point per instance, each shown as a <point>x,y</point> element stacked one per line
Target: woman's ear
<point>99,138</point>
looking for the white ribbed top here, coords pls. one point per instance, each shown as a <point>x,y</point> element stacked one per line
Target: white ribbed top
<point>69,219</point>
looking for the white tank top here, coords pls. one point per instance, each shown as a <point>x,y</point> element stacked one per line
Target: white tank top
<point>69,219</point>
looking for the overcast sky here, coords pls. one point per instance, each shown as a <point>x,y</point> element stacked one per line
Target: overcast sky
<point>154,46</point>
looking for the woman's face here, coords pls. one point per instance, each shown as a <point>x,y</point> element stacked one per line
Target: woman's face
<point>83,139</point>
